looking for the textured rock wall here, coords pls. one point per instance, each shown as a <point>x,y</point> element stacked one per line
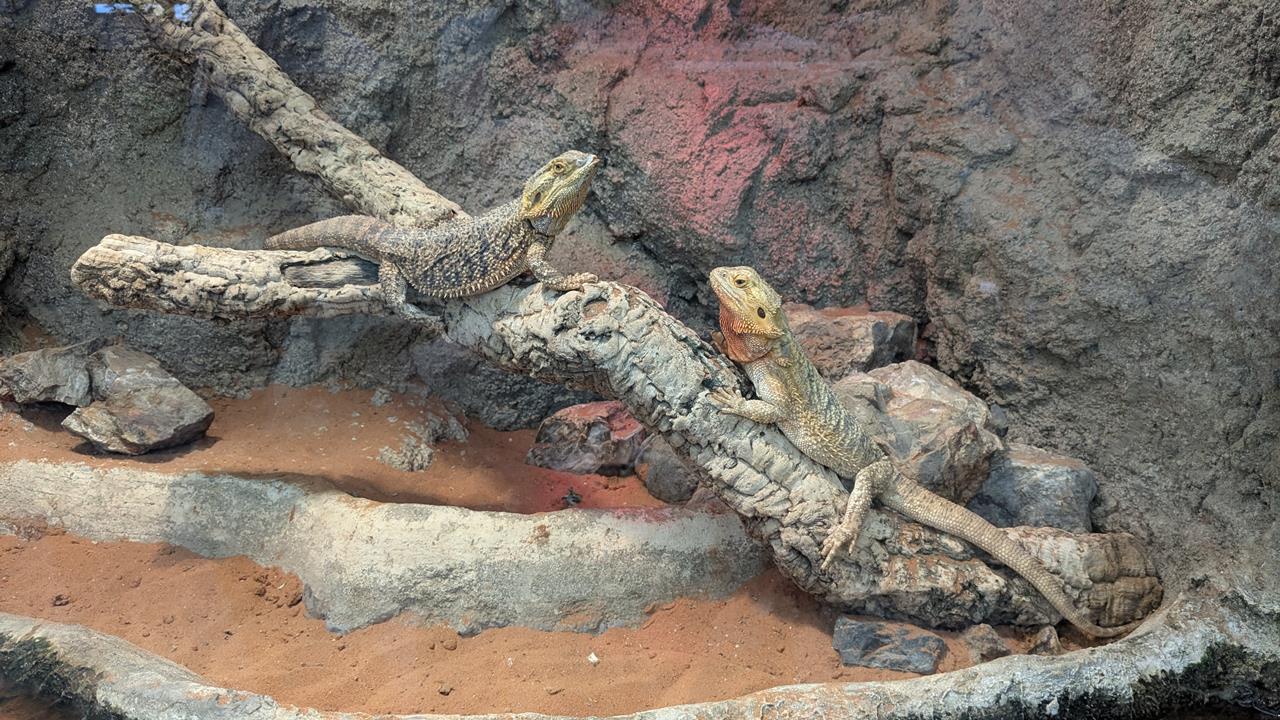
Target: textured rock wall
<point>1079,201</point>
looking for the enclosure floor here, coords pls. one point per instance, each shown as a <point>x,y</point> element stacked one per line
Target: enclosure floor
<point>335,437</point>
<point>243,626</point>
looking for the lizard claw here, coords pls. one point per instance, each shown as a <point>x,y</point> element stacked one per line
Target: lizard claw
<point>422,319</point>
<point>724,398</point>
<point>832,546</point>
<point>717,339</point>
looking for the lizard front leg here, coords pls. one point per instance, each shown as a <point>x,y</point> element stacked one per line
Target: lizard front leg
<point>395,291</point>
<point>868,483</point>
<point>536,257</point>
<point>761,411</point>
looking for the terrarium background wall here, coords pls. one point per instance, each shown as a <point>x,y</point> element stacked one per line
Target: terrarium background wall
<point>1075,202</point>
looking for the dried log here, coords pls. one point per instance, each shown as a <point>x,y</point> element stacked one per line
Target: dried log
<point>127,271</point>
<point>616,340</point>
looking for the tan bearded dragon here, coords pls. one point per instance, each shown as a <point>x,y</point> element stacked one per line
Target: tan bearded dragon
<point>792,395</point>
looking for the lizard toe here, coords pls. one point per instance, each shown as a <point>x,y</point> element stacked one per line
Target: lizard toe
<point>831,548</point>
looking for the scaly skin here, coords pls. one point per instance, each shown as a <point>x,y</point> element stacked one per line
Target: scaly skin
<point>792,395</point>
<point>468,256</point>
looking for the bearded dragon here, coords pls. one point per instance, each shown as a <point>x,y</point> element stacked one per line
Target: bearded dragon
<point>468,256</point>
<point>792,395</point>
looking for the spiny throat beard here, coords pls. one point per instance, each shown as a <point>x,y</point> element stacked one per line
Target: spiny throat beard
<point>738,345</point>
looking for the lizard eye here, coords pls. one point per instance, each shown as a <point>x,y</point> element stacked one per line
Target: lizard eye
<point>557,166</point>
<point>760,312</point>
<point>740,282</point>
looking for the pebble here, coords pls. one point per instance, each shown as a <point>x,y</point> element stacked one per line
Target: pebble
<point>893,646</point>
<point>983,643</point>
<point>1046,642</point>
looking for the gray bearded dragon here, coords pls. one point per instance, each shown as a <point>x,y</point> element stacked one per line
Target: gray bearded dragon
<point>468,256</point>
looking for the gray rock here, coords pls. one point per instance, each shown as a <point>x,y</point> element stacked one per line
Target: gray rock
<point>138,406</point>
<point>1046,642</point>
<point>663,473</point>
<point>891,646</point>
<point>599,437</point>
<point>844,340</point>
<point>1030,486</point>
<point>49,375</point>
<point>937,432</point>
<point>413,455</point>
<point>983,643</point>
<point>497,398</point>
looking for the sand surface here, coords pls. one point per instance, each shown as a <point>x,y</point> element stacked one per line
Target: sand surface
<point>336,437</point>
<point>244,626</point>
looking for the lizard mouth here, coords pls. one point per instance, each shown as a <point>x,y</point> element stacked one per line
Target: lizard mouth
<point>586,171</point>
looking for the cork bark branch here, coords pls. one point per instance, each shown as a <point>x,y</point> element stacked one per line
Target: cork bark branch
<point>610,338</point>
<point>615,340</point>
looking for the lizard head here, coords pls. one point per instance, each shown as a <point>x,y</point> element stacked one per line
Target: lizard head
<point>557,191</point>
<point>751,316</point>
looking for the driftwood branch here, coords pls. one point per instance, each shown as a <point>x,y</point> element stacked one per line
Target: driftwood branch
<point>616,340</point>
<point>610,338</point>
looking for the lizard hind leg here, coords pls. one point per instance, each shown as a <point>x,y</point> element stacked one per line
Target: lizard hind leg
<point>395,291</point>
<point>866,484</point>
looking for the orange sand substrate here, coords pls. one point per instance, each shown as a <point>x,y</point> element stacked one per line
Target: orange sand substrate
<point>336,437</point>
<point>244,626</point>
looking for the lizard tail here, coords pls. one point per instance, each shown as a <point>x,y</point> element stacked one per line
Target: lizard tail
<point>350,232</point>
<point>924,507</point>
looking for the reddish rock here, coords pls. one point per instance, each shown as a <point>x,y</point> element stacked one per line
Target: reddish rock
<point>598,437</point>
<point>840,341</point>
